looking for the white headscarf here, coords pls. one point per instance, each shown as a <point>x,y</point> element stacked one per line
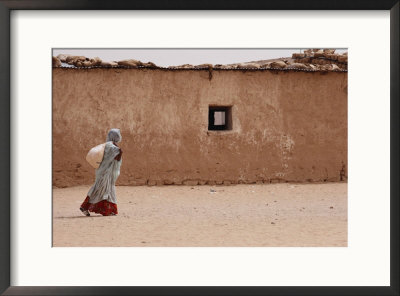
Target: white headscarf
<point>114,135</point>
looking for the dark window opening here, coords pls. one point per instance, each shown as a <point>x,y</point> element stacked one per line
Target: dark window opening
<point>219,118</point>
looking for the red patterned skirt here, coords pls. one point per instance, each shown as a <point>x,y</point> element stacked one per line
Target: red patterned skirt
<point>103,207</point>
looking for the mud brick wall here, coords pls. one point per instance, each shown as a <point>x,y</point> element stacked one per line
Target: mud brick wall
<point>286,125</point>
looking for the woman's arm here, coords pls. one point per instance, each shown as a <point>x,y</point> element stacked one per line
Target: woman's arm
<point>118,157</point>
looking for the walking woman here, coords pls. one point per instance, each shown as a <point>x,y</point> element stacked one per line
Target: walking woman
<point>101,198</point>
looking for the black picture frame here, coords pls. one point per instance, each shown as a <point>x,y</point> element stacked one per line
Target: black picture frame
<point>7,6</point>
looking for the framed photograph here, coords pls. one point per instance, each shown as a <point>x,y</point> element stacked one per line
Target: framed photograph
<point>190,149</point>
<point>215,154</point>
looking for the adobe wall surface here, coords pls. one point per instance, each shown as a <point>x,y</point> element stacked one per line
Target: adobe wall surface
<point>287,125</point>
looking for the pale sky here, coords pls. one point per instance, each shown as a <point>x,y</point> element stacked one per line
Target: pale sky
<point>174,57</point>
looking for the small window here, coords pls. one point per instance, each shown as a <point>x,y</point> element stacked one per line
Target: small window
<point>219,118</point>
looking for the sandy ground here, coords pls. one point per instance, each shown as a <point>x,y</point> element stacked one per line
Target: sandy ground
<point>241,215</point>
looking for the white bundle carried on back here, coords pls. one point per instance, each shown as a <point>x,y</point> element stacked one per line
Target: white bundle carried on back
<point>95,155</point>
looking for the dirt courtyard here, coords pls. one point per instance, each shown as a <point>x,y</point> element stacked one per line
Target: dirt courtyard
<point>265,215</point>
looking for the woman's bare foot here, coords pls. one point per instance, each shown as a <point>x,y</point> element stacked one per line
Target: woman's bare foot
<point>85,212</point>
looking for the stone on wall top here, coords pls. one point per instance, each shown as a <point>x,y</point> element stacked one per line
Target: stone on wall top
<point>311,60</point>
